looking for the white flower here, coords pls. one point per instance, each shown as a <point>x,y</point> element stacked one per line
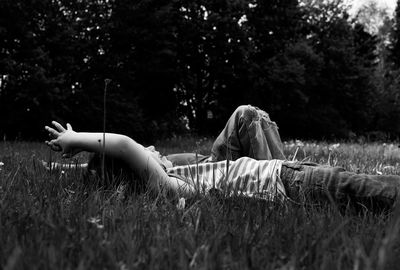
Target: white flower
<point>93,220</point>
<point>62,174</point>
<point>181,204</point>
<point>96,221</point>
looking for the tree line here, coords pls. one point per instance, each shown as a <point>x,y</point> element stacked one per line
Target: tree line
<point>178,65</point>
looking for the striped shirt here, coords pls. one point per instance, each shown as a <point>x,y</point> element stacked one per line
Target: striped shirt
<point>244,176</point>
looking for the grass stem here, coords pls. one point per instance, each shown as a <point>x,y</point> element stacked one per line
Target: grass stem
<point>106,82</point>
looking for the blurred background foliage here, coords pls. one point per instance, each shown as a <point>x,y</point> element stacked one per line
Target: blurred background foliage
<point>178,65</point>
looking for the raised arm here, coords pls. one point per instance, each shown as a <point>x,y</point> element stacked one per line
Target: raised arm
<point>140,160</point>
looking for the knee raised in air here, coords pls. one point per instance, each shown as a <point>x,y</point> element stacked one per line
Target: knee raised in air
<point>246,111</point>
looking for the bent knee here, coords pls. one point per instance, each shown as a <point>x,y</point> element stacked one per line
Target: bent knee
<point>247,112</point>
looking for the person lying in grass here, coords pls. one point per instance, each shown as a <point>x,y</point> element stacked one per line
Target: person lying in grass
<point>248,132</point>
<point>246,160</point>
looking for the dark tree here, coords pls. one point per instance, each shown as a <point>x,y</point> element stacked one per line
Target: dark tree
<point>211,59</point>
<point>337,100</point>
<point>35,47</point>
<point>395,37</point>
<point>317,71</point>
<point>143,52</point>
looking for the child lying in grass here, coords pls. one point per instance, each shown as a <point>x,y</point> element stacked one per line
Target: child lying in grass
<point>246,159</point>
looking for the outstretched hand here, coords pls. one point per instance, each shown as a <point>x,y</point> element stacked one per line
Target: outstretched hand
<point>62,139</point>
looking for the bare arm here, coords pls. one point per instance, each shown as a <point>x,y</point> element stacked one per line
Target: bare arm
<point>118,146</point>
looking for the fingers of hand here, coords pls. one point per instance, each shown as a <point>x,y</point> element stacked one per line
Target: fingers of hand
<point>52,132</point>
<point>69,127</point>
<point>58,126</point>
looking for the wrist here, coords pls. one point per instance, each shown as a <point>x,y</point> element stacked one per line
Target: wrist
<point>72,140</point>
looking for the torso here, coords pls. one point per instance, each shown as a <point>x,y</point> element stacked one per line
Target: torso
<point>244,176</point>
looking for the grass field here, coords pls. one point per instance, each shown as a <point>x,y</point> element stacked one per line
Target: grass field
<point>54,220</point>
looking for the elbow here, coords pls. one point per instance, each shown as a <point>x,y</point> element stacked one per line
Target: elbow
<point>125,143</point>
<point>131,152</point>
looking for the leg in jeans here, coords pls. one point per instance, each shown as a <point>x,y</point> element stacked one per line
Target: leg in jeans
<point>248,132</point>
<point>319,183</point>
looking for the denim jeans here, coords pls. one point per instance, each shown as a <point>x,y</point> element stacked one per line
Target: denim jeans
<point>249,132</point>
<point>313,184</point>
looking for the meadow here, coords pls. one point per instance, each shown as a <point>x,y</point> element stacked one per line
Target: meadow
<point>58,220</point>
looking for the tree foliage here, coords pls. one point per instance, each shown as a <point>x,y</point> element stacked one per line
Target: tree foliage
<point>395,45</point>
<point>319,72</point>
